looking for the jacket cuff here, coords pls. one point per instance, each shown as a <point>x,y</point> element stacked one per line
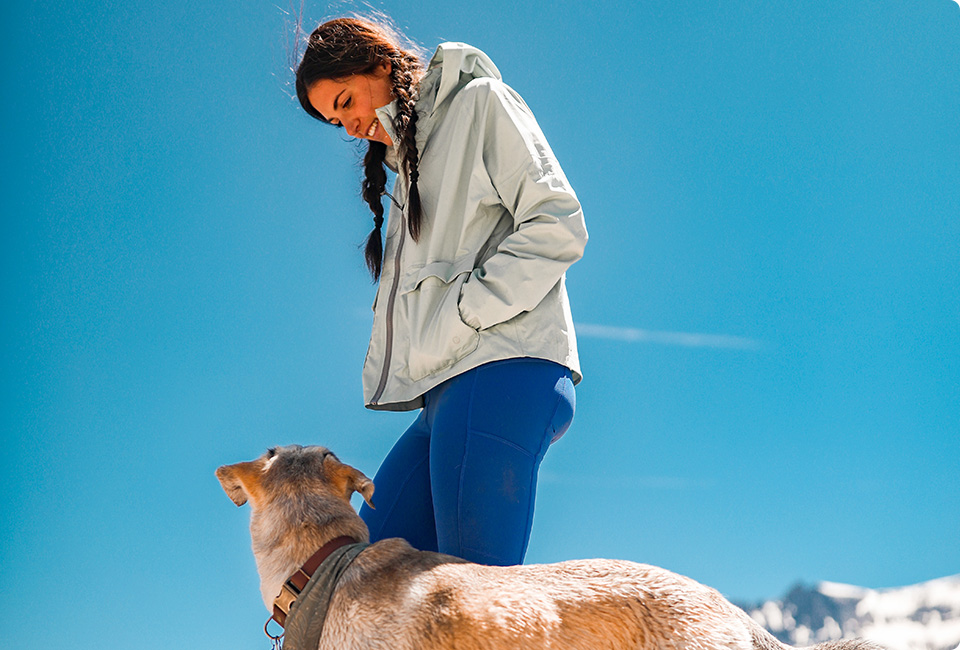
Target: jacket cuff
<point>467,316</point>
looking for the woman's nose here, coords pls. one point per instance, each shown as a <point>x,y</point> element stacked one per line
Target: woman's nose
<point>353,127</point>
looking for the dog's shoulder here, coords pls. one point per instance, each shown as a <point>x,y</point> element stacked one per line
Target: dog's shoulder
<point>390,563</point>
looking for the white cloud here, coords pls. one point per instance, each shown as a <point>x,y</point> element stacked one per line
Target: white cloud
<point>683,339</point>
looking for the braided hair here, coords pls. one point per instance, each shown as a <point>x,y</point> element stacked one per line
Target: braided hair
<point>343,47</point>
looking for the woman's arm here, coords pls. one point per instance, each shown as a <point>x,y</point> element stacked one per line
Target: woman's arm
<point>549,232</point>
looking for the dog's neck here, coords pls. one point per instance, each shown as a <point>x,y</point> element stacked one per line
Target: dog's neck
<point>285,535</point>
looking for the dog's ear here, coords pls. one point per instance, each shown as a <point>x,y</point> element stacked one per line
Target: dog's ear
<point>363,485</point>
<point>348,480</point>
<point>240,481</point>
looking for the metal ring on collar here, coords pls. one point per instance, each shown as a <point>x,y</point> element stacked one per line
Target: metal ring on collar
<point>275,638</point>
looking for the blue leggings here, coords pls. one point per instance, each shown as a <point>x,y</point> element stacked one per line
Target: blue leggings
<point>462,479</point>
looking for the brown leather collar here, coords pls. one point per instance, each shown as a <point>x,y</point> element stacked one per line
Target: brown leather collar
<point>295,583</point>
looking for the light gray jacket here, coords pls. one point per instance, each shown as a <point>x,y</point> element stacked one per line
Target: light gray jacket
<point>501,225</point>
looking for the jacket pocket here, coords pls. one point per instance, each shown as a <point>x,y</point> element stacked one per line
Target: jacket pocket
<point>438,336</point>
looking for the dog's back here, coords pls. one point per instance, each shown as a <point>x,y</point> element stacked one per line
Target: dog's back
<point>430,601</point>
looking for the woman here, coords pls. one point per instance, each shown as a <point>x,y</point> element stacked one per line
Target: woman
<point>471,320</point>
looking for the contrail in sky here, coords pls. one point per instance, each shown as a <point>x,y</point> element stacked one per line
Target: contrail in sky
<point>684,339</point>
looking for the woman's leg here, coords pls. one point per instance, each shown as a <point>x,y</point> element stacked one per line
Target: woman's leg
<point>490,428</point>
<point>402,492</point>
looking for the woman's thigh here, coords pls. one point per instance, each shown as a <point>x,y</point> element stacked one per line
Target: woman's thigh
<point>490,429</point>
<point>402,494</point>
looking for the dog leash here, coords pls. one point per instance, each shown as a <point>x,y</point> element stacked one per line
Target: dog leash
<point>295,585</point>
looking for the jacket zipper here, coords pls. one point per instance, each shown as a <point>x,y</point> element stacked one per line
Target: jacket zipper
<point>391,299</point>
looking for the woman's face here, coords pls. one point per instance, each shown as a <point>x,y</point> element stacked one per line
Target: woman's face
<point>351,102</point>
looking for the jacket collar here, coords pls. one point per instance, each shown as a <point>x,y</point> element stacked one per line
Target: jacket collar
<point>452,66</point>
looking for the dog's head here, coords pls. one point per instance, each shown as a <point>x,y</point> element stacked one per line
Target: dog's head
<point>300,499</point>
<point>285,472</point>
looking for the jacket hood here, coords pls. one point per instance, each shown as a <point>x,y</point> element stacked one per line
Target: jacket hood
<point>451,67</point>
<point>458,63</point>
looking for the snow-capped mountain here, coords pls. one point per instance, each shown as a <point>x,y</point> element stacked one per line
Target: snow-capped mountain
<point>925,616</point>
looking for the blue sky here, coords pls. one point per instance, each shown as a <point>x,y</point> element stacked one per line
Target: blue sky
<point>768,305</point>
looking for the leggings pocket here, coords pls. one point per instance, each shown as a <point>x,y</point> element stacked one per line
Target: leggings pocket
<point>498,488</point>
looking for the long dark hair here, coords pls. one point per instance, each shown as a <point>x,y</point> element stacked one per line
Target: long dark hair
<point>343,47</point>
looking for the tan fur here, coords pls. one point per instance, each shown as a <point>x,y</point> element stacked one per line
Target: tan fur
<point>395,597</point>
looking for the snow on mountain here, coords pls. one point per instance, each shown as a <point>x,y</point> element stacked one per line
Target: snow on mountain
<point>925,616</point>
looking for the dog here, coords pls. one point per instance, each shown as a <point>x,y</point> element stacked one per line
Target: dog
<point>393,596</point>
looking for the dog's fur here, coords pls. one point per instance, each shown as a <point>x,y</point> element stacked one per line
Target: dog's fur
<point>395,597</point>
